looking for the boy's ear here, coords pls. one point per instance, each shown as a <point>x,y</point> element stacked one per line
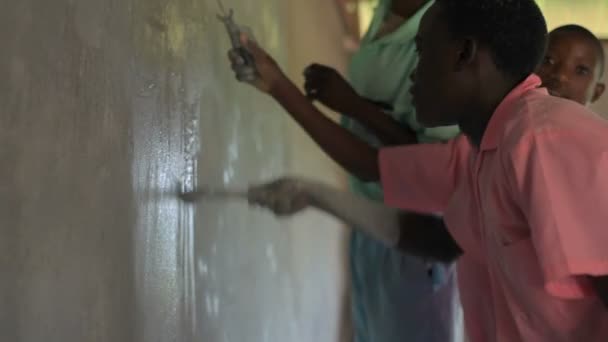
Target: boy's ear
<point>467,52</point>
<point>598,91</point>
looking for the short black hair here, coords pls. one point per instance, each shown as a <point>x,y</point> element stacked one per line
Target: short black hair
<point>585,33</point>
<point>515,31</point>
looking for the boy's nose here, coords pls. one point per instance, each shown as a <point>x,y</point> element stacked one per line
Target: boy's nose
<point>560,74</point>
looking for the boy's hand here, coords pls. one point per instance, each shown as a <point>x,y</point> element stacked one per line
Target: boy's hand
<point>327,86</point>
<point>269,74</point>
<point>284,197</point>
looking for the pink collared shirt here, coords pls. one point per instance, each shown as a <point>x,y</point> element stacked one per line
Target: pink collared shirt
<point>529,208</point>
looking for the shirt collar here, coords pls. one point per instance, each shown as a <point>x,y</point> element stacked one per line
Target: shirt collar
<point>504,111</point>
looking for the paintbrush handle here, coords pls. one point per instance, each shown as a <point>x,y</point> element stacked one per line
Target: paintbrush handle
<point>213,193</point>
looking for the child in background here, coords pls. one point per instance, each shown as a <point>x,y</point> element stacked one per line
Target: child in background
<point>573,67</point>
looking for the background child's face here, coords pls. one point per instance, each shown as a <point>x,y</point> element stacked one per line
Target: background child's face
<point>571,68</point>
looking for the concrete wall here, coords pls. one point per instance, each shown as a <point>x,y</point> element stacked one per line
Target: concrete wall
<point>106,106</point>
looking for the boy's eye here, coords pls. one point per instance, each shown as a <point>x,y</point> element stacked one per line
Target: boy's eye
<point>582,70</point>
<point>548,61</point>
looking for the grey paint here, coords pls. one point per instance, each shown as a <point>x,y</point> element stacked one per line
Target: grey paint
<point>106,105</point>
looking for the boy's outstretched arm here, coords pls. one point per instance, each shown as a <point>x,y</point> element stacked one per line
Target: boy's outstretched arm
<point>352,153</point>
<point>356,156</point>
<point>327,86</point>
<point>416,234</point>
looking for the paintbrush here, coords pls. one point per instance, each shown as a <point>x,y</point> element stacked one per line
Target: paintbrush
<point>215,193</point>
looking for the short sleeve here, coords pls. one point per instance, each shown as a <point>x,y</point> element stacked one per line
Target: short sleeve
<point>561,181</point>
<point>423,177</point>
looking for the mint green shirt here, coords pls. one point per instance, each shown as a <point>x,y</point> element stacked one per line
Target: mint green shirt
<point>380,71</point>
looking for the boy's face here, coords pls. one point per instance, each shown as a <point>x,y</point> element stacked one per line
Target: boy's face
<point>571,68</point>
<point>436,76</point>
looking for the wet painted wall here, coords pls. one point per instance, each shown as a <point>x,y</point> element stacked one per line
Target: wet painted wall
<point>105,106</point>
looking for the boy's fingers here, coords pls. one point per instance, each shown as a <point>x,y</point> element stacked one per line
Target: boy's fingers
<point>252,47</point>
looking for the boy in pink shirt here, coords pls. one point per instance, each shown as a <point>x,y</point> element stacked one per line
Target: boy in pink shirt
<point>522,191</point>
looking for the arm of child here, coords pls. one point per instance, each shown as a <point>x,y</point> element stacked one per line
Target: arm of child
<point>355,155</point>
<point>352,153</point>
<point>327,86</point>
<point>416,234</point>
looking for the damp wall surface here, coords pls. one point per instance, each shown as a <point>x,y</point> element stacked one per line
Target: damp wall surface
<point>105,105</point>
